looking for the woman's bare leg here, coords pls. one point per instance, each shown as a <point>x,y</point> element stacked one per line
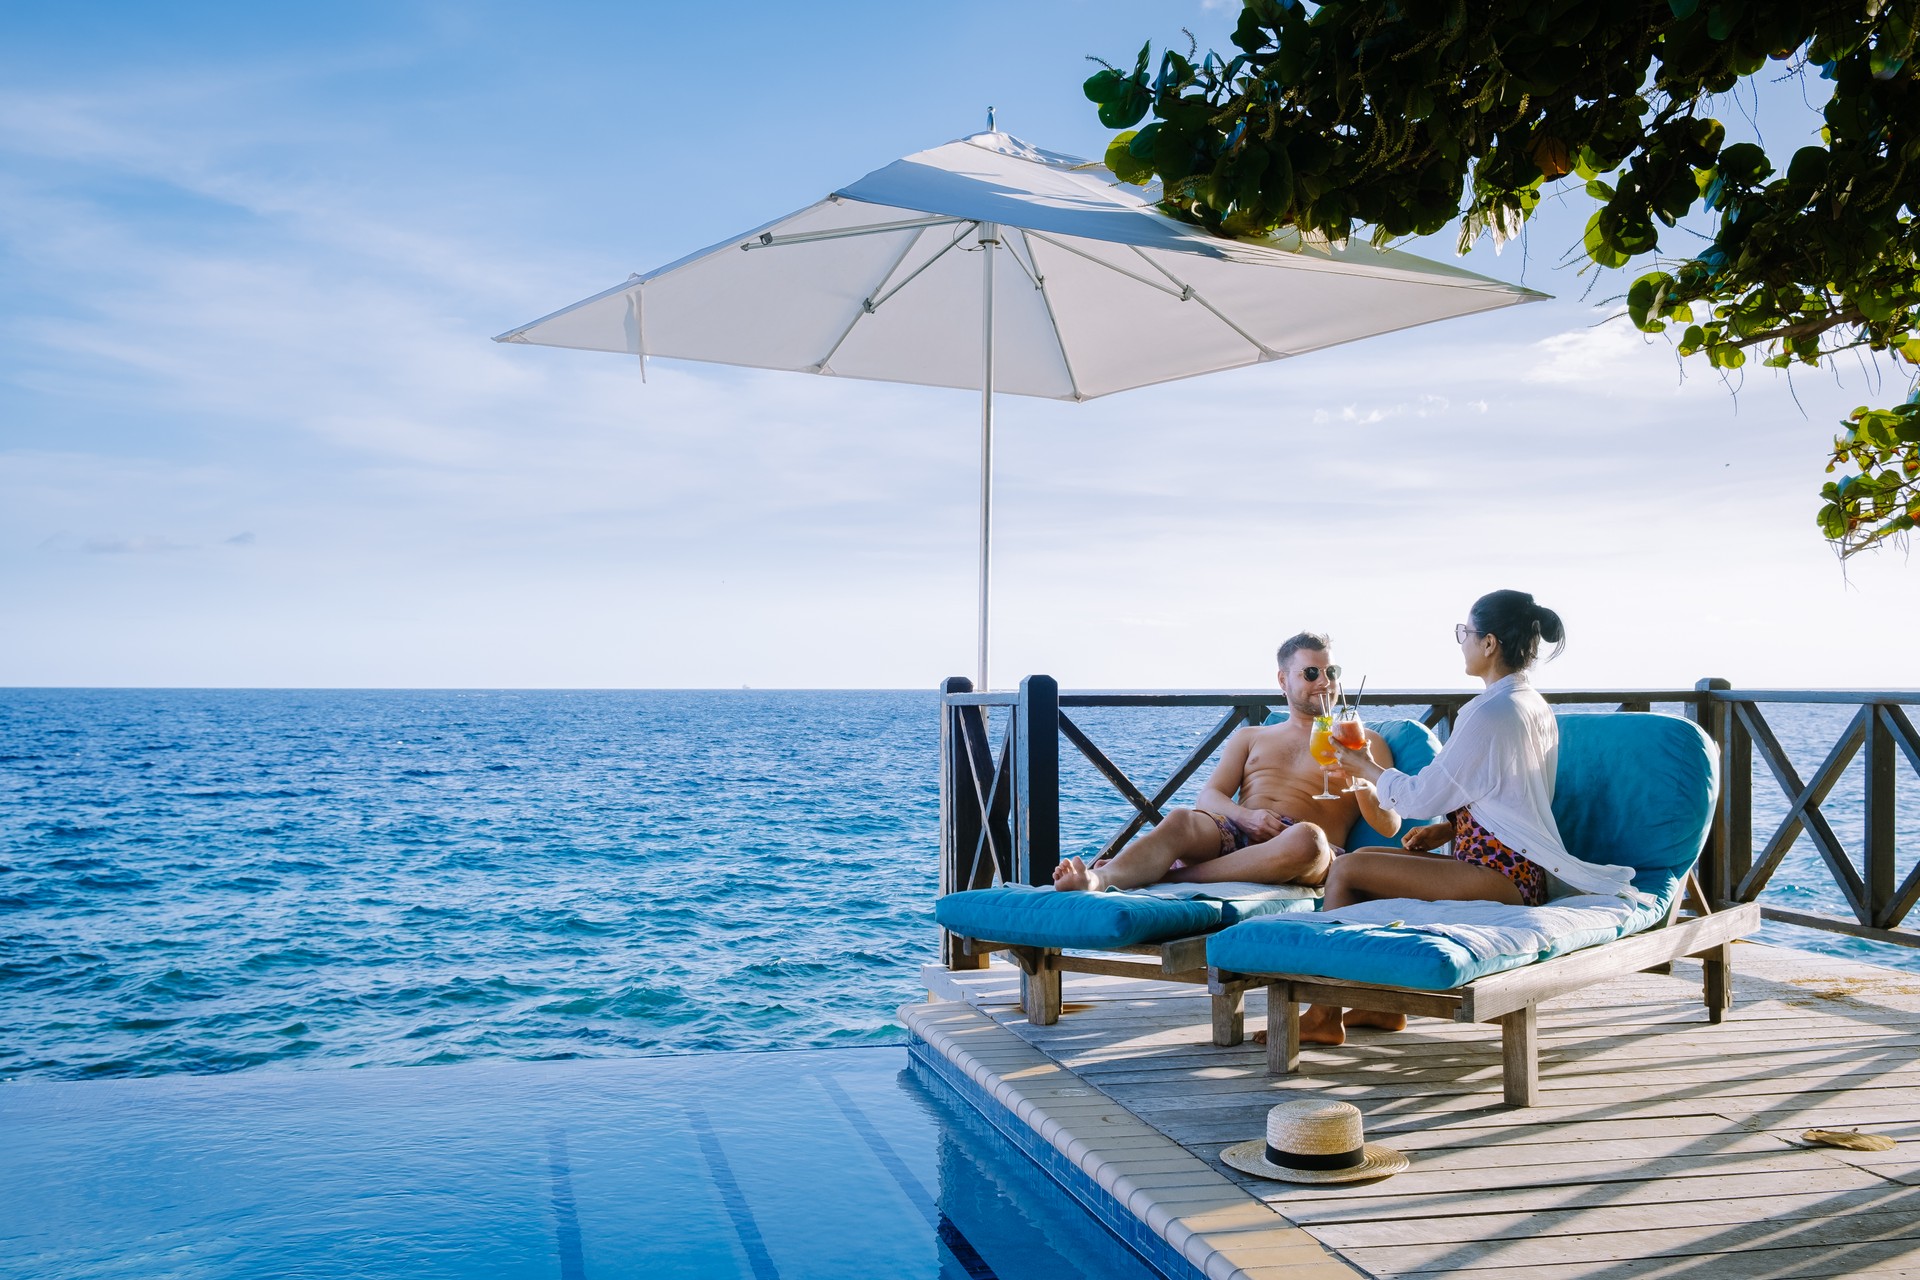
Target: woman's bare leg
<point>1366,874</point>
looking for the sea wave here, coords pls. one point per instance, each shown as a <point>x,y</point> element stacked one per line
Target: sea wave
<point>206,881</point>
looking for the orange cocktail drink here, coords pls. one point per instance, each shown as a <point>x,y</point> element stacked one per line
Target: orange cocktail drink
<point>1320,746</point>
<point>1350,733</point>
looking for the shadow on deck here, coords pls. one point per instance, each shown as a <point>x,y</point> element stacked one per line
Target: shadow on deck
<point>1664,1146</point>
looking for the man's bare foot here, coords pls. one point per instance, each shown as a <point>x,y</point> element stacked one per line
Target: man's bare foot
<point>1320,1024</point>
<point>1374,1018</point>
<point>1073,875</point>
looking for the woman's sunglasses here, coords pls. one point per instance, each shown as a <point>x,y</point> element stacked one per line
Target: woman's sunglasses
<point>1461,631</point>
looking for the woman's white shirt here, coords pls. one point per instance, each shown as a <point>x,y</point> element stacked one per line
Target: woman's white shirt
<point>1500,761</point>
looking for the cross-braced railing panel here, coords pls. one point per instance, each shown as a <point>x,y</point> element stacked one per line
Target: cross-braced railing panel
<point>1879,733</point>
<point>1001,803</point>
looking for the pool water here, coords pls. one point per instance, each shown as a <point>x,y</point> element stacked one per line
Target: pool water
<point>826,1163</point>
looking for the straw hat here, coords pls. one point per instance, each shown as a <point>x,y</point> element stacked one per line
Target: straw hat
<point>1314,1140</point>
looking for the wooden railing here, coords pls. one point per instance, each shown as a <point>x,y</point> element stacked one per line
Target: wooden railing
<point>1000,789</point>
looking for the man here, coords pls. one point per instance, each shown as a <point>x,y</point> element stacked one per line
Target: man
<point>1276,832</point>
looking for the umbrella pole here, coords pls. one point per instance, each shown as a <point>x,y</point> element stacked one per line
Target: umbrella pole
<point>989,237</point>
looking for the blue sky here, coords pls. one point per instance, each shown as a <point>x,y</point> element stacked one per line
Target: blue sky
<point>253,430</point>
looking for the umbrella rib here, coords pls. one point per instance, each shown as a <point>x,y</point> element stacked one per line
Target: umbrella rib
<point>1053,321</point>
<point>875,303</point>
<point>866,304</point>
<point>1188,291</point>
<point>871,303</point>
<point>768,240</point>
<point>1102,262</point>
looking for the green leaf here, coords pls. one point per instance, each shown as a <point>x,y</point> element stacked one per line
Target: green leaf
<point>1125,165</point>
<point>1126,109</point>
<point>1683,9</point>
<point>1104,86</point>
<point>1600,243</point>
<point>1745,163</point>
<point>1644,299</point>
<point>1808,168</point>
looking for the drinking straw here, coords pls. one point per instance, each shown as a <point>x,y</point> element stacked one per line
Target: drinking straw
<point>1361,694</point>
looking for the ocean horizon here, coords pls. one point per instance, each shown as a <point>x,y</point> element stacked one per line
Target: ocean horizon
<point>212,880</point>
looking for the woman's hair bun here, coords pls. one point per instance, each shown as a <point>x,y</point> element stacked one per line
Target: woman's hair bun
<point>1518,623</point>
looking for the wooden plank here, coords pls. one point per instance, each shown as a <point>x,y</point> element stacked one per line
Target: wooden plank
<point>1833,924</point>
<point>1127,969</point>
<point>1489,997</point>
<point>1714,1211</point>
<point>1381,999</point>
<point>1763,1187</point>
<point>1899,1229</point>
<point>1730,1044</point>
<point>1842,697</point>
<point>1184,955</point>
<point>1427,697</point>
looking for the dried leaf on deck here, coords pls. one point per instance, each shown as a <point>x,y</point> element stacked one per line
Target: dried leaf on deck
<point>1851,1139</point>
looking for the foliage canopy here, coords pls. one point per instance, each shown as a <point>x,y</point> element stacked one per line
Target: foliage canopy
<point>1394,117</point>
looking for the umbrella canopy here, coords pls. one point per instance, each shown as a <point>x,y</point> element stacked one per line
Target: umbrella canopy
<point>993,265</point>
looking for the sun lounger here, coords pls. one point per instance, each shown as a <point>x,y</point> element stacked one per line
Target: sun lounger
<point>1633,789</point>
<point>1160,936</point>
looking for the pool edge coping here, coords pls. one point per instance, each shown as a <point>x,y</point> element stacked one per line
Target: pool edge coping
<point>1171,1206</point>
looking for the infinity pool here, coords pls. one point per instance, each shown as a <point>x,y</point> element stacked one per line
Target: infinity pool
<point>764,1165</point>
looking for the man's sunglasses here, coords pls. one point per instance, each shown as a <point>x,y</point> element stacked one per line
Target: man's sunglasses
<point>1310,674</point>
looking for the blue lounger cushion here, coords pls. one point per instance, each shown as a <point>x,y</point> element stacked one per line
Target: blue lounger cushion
<point>1414,746</point>
<point>1632,789</point>
<point>1039,917</point>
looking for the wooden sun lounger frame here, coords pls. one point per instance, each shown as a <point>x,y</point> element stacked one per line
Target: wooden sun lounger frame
<point>1510,998</point>
<point>1175,960</point>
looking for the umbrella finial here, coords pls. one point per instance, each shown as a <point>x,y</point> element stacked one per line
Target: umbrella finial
<point>991,127</point>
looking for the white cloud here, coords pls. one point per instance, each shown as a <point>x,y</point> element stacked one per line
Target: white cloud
<point>423,506</point>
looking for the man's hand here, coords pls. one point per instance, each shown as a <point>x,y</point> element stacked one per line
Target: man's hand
<point>1428,838</point>
<point>1259,824</point>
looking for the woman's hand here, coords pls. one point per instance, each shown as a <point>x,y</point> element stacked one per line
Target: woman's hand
<point>1357,762</point>
<point>1428,838</point>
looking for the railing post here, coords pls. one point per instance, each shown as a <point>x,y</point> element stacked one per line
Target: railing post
<point>1714,717</point>
<point>959,816</point>
<point>1879,829</point>
<point>1036,774</point>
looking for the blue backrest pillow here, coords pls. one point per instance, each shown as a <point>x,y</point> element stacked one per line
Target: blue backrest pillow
<point>1636,790</point>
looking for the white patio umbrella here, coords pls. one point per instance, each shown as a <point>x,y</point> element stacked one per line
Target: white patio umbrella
<point>1079,287</point>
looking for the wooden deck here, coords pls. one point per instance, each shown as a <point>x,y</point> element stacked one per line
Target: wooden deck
<point>1663,1146</point>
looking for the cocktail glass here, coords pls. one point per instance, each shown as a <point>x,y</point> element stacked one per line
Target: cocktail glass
<point>1320,747</point>
<point>1351,734</point>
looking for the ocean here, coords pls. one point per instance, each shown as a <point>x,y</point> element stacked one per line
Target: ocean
<point>215,880</point>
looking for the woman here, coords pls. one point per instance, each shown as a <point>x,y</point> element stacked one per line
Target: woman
<point>1493,780</point>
